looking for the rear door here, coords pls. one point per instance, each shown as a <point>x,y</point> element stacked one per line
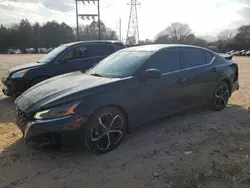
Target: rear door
<point>197,74</point>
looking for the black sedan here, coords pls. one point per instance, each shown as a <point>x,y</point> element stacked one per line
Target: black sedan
<point>125,90</point>
<point>64,59</point>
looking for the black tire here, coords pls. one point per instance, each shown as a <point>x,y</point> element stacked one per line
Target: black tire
<point>221,96</point>
<point>37,80</point>
<point>105,130</point>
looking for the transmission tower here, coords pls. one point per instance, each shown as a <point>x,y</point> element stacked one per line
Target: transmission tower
<point>133,29</point>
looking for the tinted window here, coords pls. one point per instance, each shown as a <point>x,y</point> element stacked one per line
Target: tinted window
<point>68,55</point>
<point>209,56</point>
<point>54,53</point>
<point>81,52</point>
<point>118,46</point>
<point>191,57</point>
<point>165,61</point>
<point>78,52</point>
<point>100,50</point>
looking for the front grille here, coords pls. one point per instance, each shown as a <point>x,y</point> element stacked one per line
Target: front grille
<point>21,119</point>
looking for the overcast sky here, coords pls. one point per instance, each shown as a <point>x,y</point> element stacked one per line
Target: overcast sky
<point>205,17</point>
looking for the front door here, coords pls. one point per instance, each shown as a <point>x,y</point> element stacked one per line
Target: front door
<point>160,96</point>
<point>82,57</point>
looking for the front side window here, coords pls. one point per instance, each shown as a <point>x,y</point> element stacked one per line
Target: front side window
<point>167,60</point>
<point>53,54</point>
<point>81,52</point>
<point>192,57</point>
<point>75,53</point>
<point>121,64</point>
<point>69,54</point>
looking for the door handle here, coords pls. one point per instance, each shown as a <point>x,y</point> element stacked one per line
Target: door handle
<point>213,70</point>
<point>181,80</point>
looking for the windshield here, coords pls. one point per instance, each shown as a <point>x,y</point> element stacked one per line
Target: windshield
<point>50,56</point>
<point>120,64</point>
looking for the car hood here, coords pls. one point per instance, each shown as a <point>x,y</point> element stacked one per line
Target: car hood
<point>22,67</point>
<point>62,89</point>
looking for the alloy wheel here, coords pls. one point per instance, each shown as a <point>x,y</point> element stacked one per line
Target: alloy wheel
<point>108,131</point>
<point>221,96</point>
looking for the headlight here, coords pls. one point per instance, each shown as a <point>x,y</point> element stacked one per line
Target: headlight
<point>61,111</point>
<point>19,74</point>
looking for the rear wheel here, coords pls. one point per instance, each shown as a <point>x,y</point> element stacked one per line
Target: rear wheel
<point>105,130</point>
<point>221,96</point>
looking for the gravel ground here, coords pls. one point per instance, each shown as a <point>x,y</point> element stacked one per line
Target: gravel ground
<point>198,148</point>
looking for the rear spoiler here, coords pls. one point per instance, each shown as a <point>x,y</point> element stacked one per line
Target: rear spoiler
<point>226,56</point>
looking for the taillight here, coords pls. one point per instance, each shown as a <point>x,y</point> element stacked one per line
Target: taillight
<point>236,72</point>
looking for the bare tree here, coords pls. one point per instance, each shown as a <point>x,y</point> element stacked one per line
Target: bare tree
<point>225,35</point>
<point>223,38</point>
<point>177,32</point>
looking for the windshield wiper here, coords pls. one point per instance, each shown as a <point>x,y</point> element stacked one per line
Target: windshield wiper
<point>96,74</point>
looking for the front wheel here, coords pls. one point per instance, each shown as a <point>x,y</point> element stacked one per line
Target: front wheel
<point>221,96</point>
<point>105,130</point>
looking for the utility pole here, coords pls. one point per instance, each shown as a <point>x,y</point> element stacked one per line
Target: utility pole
<point>99,21</point>
<point>77,23</point>
<point>120,29</point>
<point>133,28</point>
<point>88,16</point>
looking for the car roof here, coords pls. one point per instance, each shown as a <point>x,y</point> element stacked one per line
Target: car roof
<point>157,47</point>
<point>93,41</point>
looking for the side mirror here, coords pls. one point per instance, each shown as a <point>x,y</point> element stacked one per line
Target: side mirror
<point>151,74</point>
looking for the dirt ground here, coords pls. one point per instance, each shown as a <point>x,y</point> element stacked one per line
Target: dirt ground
<point>195,149</point>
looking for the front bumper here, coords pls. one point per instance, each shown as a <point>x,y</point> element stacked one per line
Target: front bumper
<point>14,87</point>
<point>68,127</point>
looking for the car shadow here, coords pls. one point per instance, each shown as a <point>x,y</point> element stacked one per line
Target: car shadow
<point>7,110</point>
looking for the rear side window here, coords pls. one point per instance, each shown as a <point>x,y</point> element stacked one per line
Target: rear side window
<point>209,56</point>
<point>118,46</point>
<point>192,57</point>
<point>100,50</point>
<point>165,60</point>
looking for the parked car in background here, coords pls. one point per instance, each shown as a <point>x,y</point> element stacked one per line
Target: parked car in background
<point>18,52</point>
<point>14,51</point>
<point>30,50</point>
<point>127,89</point>
<point>231,52</point>
<point>44,50</point>
<point>242,52</point>
<point>66,58</point>
<point>237,53</point>
<point>248,53</point>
